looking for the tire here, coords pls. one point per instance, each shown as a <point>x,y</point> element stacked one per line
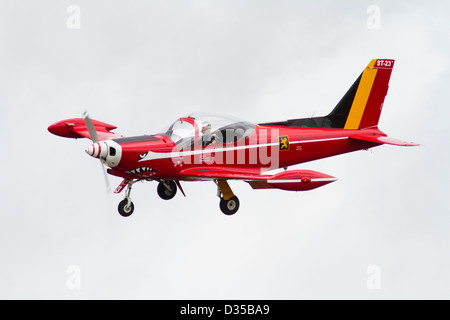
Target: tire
<point>124,209</point>
<point>229,207</point>
<point>165,193</point>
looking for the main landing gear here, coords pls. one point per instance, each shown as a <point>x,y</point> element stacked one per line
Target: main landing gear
<point>229,203</point>
<point>167,189</point>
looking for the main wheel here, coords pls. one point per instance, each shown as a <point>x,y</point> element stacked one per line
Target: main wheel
<point>126,210</point>
<point>167,193</point>
<point>229,207</point>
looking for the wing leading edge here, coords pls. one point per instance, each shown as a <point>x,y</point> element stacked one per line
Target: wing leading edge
<point>76,128</point>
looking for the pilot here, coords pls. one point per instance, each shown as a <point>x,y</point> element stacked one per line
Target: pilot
<point>207,137</point>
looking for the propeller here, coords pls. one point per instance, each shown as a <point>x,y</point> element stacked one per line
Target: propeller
<point>94,137</point>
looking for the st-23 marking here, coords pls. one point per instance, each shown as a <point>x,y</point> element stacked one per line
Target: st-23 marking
<point>385,63</point>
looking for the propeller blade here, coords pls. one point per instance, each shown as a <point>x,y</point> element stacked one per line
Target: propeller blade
<point>94,138</point>
<point>108,186</point>
<point>91,127</point>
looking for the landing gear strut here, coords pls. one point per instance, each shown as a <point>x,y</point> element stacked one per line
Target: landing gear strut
<point>229,203</point>
<point>126,206</point>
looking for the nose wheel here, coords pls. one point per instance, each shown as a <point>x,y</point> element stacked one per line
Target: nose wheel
<point>126,206</point>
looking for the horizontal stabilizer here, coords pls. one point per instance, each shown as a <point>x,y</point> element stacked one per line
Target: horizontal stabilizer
<point>385,140</point>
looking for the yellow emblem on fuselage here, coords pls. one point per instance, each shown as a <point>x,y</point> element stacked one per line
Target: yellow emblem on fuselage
<point>284,143</point>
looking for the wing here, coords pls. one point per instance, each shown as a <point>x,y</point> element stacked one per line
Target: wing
<point>293,180</point>
<point>76,128</point>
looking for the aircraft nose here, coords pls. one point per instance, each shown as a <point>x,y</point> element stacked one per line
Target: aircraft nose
<point>90,150</point>
<point>97,150</point>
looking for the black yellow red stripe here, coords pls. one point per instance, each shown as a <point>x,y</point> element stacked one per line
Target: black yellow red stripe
<point>361,97</point>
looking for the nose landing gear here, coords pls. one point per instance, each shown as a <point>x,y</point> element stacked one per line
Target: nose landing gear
<point>126,206</point>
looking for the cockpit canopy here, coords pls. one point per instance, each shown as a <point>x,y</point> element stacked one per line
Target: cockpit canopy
<point>203,129</point>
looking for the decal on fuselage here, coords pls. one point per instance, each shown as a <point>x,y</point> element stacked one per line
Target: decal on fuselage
<point>284,143</point>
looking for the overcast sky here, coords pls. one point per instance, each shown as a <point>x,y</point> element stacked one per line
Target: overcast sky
<point>141,64</point>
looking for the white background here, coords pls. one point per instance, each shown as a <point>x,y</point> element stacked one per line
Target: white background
<point>141,64</point>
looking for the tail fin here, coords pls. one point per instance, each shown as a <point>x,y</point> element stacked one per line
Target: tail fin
<point>361,106</point>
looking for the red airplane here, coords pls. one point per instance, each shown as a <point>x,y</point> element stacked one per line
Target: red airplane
<point>208,147</point>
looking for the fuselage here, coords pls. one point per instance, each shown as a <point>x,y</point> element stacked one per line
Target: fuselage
<point>266,148</point>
